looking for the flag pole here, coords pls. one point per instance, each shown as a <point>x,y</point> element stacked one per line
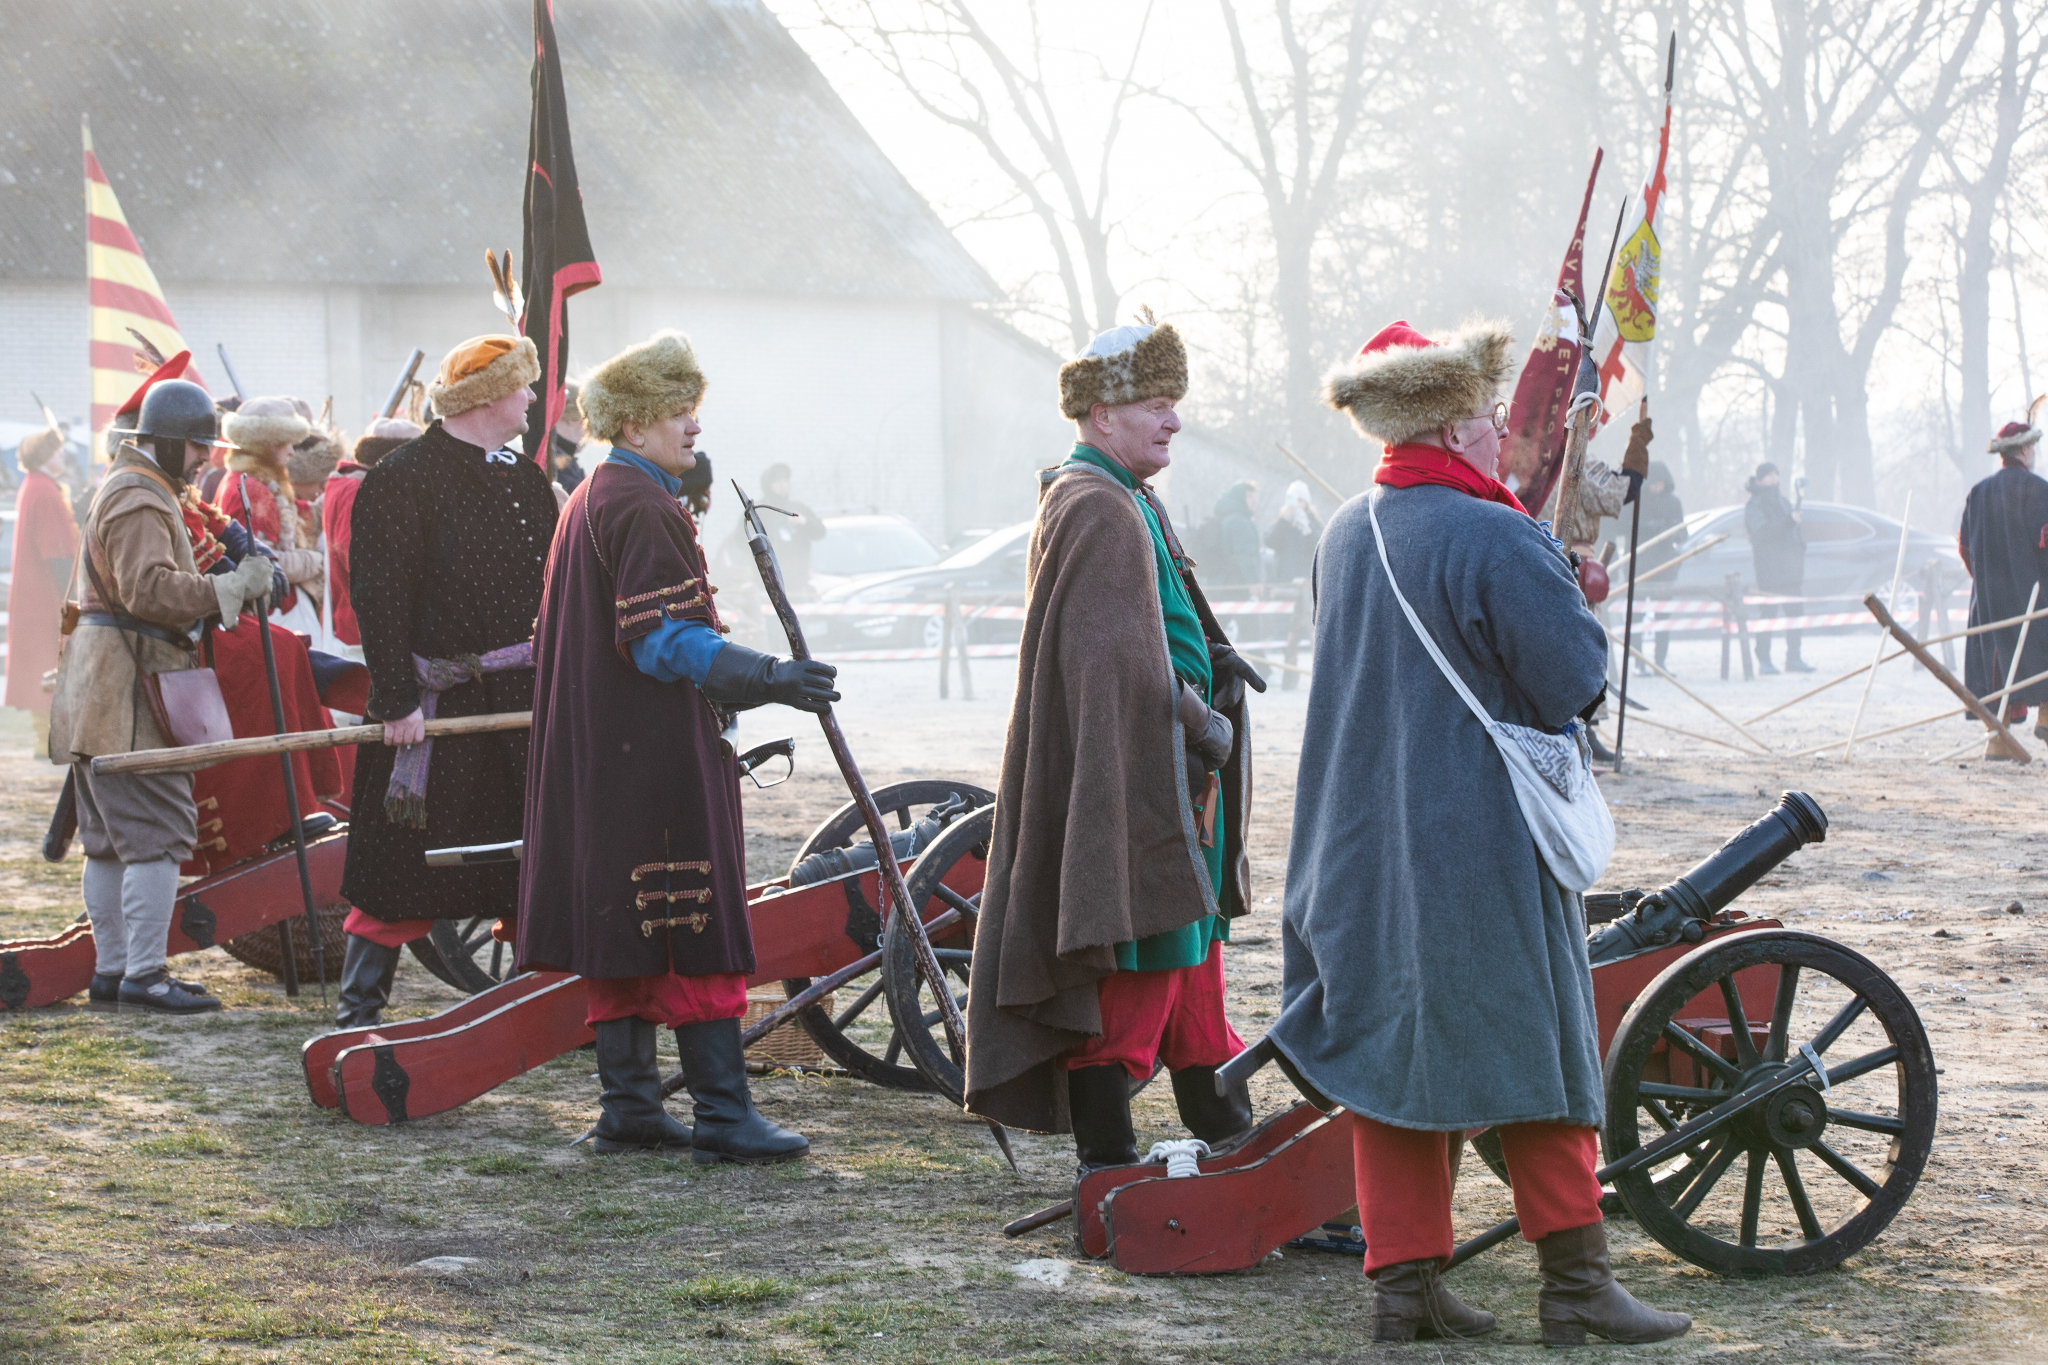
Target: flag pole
<point>1628,611</point>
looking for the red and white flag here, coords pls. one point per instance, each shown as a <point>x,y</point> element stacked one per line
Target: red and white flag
<point>124,297</point>
<point>1631,301</point>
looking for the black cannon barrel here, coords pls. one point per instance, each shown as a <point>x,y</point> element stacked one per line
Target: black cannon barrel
<point>1740,863</point>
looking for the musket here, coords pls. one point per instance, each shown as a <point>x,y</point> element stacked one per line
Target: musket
<point>234,380</point>
<point>291,785</point>
<point>397,396</point>
<point>896,895</point>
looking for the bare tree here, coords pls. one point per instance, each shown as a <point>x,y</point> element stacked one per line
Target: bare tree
<point>948,59</point>
<point>2004,97</point>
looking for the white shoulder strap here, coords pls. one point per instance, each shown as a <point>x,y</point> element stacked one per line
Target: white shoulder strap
<point>1422,634</point>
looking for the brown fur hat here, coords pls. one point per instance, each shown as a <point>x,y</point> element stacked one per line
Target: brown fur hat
<point>385,435</point>
<point>1125,365</point>
<point>263,423</point>
<point>1402,384</point>
<point>314,458</point>
<point>482,370</point>
<point>38,447</point>
<point>641,384</point>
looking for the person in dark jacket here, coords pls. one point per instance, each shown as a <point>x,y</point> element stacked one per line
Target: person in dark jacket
<point>1661,511</point>
<point>2004,544</point>
<point>1293,535</point>
<point>1234,536</point>
<point>1779,547</point>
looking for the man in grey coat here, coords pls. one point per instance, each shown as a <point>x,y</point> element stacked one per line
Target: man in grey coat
<point>1436,977</point>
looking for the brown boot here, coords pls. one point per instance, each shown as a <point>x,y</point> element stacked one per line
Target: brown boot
<point>1409,1301</point>
<point>1580,1295</point>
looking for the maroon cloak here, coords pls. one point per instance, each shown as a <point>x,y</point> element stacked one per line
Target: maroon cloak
<point>635,859</point>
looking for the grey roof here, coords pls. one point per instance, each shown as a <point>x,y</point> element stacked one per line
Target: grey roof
<point>384,142</point>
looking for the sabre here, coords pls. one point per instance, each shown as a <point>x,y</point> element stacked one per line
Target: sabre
<point>895,893</point>
<point>291,785</point>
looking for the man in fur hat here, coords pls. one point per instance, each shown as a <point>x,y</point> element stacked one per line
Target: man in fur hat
<point>2004,545</point>
<point>45,543</point>
<point>635,867</point>
<point>1118,853</point>
<point>142,597</point>
<point>448,534</point>
<point>337,509</point>
<point>259,491</point>
<point>1435,970</point>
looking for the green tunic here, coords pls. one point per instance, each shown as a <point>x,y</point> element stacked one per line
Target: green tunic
<point>1188,649</point>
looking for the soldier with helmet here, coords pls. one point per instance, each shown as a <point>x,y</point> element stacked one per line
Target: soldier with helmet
<point>141,599</point>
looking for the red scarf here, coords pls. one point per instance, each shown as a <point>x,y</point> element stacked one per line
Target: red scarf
<point>1404,466</point>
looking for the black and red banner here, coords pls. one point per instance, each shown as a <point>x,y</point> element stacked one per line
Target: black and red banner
<point>557,256</point>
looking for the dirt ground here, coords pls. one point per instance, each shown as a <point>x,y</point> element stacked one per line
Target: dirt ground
<point>167,1193</point>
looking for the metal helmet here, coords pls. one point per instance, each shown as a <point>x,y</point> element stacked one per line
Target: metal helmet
<point>179,410</point>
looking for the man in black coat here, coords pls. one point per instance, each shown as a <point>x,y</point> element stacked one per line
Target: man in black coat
<point>2004,544</point>
<point>1780,550</point>
<point>448,540</point>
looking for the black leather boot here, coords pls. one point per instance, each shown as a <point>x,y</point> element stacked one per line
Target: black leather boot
<point>633,1119</point>
<point>729,1128</point>
<point>367,969</point>
<point>1215,1119</point>
<point>1099,1097</point>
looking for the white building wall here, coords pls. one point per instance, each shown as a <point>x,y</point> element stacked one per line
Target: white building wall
<point>43,349</point>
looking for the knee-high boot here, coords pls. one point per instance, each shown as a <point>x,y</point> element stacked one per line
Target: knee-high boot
<point>1215,1119</point>
<point>633,1119</point>
<point>729,1128</point>
<point>1099,1098</point>
<point>367,970</point>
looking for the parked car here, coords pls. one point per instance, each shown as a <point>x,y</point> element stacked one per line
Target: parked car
<point>992,564</point>
<point>1850,551</point>
<point>865,546</point>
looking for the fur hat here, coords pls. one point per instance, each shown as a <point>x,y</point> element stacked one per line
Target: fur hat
<point>38,447</point>
<point>641,384</point>
<point>314,458</point>
<point>482,370</point>
<point>262,423</point>
<point>1125,365</point>
<point>1401,384</point>
<point>2014,437</point>
<point>385,435</point>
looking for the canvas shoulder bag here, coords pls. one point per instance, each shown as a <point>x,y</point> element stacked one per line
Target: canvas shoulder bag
<point>1552,774</point>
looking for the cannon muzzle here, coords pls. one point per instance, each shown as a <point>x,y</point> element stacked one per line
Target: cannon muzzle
<point>1675,911</point>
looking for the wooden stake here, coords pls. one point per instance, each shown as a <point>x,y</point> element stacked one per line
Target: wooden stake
<point>1725,719</point>
<point>1947,679</point>
<point>1929,720</point>
<point>193,757</point>
<point>1898,571</point>
<point>2019,650</point>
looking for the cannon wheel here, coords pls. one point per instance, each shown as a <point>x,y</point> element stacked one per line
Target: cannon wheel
<point>462,953</point>
<point>1864,1136</point>
<point>911,1004</point>
<point>848,1036</point>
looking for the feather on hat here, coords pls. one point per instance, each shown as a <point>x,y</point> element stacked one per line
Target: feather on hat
<point>1402,384</point>
<point>1125,365</point>
<point>641,384</point>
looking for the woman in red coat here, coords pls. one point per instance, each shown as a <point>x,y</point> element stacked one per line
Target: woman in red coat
<point>45,544</point>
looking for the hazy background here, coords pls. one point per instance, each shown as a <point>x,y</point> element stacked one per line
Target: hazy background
<point>1851,238</point>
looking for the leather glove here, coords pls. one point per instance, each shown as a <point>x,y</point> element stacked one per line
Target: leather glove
<point>1232,674</point>
<point>249,580</point>
<point>739,676</point>
<point>1213,741</point>
<point>1637,458</point>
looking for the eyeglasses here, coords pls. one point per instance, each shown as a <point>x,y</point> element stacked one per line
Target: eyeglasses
<point>1499,418</point>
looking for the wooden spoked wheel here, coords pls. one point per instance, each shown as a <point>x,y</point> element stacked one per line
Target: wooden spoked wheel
<point>462,953</point>
<point>1797,1182</point>
<point>913,1008</point>
<point>860,1034</point>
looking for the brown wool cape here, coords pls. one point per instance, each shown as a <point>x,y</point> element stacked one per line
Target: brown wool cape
<point>1095,841</point>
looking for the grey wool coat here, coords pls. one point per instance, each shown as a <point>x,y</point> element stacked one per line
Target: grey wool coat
<point>1435,973</point>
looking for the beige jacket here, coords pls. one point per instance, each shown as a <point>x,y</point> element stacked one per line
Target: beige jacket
<point>136,536</point>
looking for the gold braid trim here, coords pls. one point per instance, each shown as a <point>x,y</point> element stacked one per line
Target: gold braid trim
<point>646,868</point>
<point>676,591</point>
<point>697,922</point>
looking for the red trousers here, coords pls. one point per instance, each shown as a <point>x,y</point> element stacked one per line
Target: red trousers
<point>668,1000</point>
<point>386,934</point>
<point>1174,1016</point>
<point>1404,1185</point>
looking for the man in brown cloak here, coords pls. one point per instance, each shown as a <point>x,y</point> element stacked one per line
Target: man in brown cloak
<point>1118,854</point>
<point>634,872</point>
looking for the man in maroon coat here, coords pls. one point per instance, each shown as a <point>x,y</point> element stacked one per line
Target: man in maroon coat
<point>634,873</point>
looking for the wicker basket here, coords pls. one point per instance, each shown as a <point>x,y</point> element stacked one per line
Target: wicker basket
<point>260,949</point>
<point>789,1045</point>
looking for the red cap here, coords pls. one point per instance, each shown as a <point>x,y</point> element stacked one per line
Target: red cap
<point>1396,334</point>
<point>2013,429</point>
<point>174,368</point>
